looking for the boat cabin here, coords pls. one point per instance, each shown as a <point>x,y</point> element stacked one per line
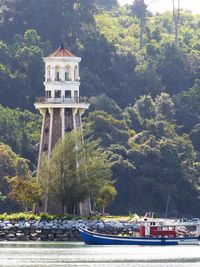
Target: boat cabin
<point>157,229</point>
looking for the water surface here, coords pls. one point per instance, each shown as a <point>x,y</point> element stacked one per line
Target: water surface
<point>54,254</point>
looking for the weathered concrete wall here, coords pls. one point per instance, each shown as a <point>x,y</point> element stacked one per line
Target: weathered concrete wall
<point>56,127</point>
<point>58,230</point>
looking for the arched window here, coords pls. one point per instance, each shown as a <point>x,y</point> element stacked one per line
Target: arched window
<point>68,73</point>
<point>76,73</point>
<point>48,73</point>
<point>57,73</point>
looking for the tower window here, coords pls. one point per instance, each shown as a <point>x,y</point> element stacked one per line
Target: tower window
<point>49,73</point>
<point>48,94</point>
<point>57,73</point>
<point>76,96</point>
<point>67,94</point>
<point>57,94</point>
<point>67,73</point>
<point>76,73</point>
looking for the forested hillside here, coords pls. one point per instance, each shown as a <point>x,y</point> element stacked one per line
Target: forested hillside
<point>144,93</point>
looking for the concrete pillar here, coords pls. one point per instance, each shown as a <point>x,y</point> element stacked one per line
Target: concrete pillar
<point>50,132</point>
<point>62,114</point>
<point>43,113</point>
<point>74,111</point>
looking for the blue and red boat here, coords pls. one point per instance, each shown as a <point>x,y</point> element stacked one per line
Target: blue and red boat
<point>151,233</point>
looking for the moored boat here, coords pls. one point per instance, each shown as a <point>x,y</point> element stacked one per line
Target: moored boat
<point>151,233</point>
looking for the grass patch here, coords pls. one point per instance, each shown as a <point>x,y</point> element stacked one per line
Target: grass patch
<point>45,216</point>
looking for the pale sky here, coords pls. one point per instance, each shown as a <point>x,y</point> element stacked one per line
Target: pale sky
<point>162,5</point>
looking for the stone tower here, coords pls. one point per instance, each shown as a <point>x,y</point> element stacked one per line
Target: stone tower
<point>62,106</point>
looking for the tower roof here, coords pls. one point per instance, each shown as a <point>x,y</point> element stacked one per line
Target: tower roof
<point>62,52</point>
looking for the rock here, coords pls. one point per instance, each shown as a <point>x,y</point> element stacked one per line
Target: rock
<point>27,225</point>
<point>2,233</point>
<point>34,234</point>
<point>8,227</point>
<point>110,226</point>
<point>35,225</point>
<point>11,235</point>
<point>49,224</point>
<point>46,228</point>
<point>58,230</point>
<point>119,226</point>
<point>19,234</point>
<point>100,226</point>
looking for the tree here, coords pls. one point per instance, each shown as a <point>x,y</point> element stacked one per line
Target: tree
<point>133,119</point>
<point>139,9</point>
<point>11,165</point>
<point>106,196</point>
<point>106,104</point>
<point>26,191</point>
<point>174,69</point>
<point>145,107</point>
<point>21,130</point>
<point>164,107</point>
<point>44,176</point>
<point>107,128</point>
<point>107,4</point>
<point>194,136</point>
<point>187,107</point>
<point>76,170</point>
<point>176,17</point>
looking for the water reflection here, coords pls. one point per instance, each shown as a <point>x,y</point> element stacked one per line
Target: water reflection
<point>77,254</point>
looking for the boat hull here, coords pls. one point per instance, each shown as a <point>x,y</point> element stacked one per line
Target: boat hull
<point>92,238</point>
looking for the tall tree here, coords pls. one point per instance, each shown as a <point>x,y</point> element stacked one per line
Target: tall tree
<point>76,170</point>
<point>139,9</point>
<point>176,17</point>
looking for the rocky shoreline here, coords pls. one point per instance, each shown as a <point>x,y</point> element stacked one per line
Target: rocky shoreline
<point>59,229</point>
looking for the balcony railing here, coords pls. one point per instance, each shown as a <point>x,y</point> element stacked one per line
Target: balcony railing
<point>63,81</point>
<point>55,100</point>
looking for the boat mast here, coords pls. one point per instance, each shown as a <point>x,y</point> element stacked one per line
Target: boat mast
<point>168,199</point>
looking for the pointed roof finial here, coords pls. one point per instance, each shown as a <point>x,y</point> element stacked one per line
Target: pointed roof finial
<point>62,52</point>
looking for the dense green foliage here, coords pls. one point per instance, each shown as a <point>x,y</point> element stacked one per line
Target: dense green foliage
<point>107,41</point>
<point>21,130</point>
<point>10,165</point>
<point>151,156</point>
<point>144,93</point>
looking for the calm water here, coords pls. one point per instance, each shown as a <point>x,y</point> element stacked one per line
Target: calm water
<point>78,254</point>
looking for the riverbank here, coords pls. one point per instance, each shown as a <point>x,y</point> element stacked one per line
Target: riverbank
<point>58,229</point>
